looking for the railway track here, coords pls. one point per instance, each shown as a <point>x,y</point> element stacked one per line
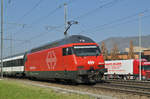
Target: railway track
<point>130,82</point>
<point>135,87</point>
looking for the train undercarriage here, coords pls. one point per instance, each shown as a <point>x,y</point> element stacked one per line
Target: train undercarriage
<point>90,76</point>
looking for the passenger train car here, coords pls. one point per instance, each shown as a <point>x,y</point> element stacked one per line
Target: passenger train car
<point>75,58</point>
<point>13,66</point>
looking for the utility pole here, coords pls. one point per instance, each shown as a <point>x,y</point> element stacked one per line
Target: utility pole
<point>140,30</point>
<point>11,47</point>
<point>11,43</point>
<point>2,39</point>
<point>65,16</point>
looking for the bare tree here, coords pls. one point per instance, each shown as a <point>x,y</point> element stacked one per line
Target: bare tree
<point>114,52</point>
<point>131,51</point>
<point>104,51</point>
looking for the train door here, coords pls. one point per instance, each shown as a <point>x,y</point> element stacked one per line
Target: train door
<point>68,58</point>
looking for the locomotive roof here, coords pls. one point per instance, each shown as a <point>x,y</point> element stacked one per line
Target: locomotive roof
<point>66,40</point>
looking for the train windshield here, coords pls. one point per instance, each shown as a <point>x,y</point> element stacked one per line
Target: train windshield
<point>147,67</point>
<point>86,50</point>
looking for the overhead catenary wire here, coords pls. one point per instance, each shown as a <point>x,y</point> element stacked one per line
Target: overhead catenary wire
<point>104,5</point>
<point>89,12</point>
<point>42,18</point>
<point>126,22</point>
<point>42,34</point>
<point>48,27</point>
<point>15,40</point>
<point>52,12</point>
<point>14,23</point>
<point>51,28</point>
<point>29,11</point>
<point>113,26</point>
<point>21,25</point>
<point>115,21</point>
<point>109,23</point>
<point>39,35</point>
<point>111,3</point>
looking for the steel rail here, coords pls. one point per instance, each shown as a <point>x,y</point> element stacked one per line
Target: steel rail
<point>129,82</point>
<point>125,90</point>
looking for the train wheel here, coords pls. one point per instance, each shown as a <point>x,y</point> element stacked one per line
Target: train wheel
<point>125,78</point>
<point>98,77</point>
<point>57,80</point>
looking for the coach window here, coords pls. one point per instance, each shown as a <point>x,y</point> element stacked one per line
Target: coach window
<point>4,64</point>
<point>21,62</point>
<point>12,62</point>
<point>17,62</point>
<point>67,51</point>
<point>9,63</point>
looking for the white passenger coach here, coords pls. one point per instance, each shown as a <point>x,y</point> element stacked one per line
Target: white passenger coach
<point>13,66</point>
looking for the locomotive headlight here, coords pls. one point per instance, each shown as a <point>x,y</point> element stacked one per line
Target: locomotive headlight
<point>80,67</point>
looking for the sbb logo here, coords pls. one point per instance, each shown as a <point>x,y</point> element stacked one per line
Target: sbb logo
<point>91,62</point>
<point>51,60</point>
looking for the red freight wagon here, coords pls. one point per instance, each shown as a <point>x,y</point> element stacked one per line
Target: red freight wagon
<point>75,58</point>
<point>126,69</point>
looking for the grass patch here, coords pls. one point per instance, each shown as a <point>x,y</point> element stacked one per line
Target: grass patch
<point>10,89</point>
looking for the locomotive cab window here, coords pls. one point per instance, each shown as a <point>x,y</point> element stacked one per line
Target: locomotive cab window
<point>146,67</point>
<point>67,51</point>
<point>87,50</point>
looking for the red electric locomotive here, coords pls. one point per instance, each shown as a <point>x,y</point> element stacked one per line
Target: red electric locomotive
<point>75,58</point>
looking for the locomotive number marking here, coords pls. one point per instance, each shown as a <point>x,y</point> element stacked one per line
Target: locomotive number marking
<point>51,60</point>
<point>91,62</point>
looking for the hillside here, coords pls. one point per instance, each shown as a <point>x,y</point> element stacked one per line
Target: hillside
<point>124,42</point>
